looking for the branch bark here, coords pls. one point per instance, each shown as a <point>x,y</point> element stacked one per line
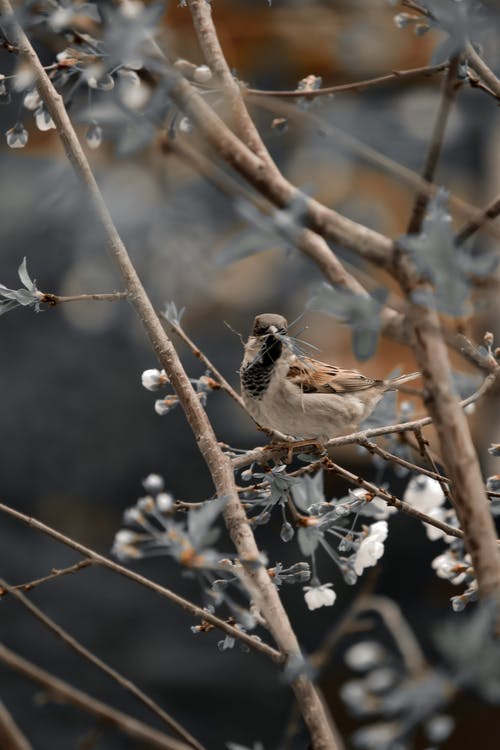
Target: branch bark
<point>125,683</point>
<point>61,690</point>
<point>11,737</point>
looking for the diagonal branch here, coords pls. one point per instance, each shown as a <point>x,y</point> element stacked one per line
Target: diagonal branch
<point>395,75</point>
<point>55,573</point>
<point>115,567</point>
<point>11,737</point>
<point>72,642</point>
<point>60,690</point>
<point>450,88</point>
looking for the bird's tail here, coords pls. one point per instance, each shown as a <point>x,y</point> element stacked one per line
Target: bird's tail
<point>395,383</point>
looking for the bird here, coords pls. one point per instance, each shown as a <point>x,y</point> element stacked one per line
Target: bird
<point>301,397</point>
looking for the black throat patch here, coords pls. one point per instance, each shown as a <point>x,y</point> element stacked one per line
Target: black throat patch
<point>255,376</point>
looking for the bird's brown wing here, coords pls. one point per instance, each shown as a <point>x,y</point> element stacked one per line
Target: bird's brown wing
<point>312,376</point>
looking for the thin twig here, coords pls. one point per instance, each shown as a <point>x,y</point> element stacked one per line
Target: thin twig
<point>11,737</point>
<point>125,683</point>
<point>105,562</point>
<point>55,573</point>
<point>180,332</point>
<point>450,87</point>
<point>55,299</point>
<point>491,211</point>
<point>61,691</point>
<point>391,499</point>
<point>423,444</point>
<point>482,69</point>
<point>387,456</point>
<point>395,75</point>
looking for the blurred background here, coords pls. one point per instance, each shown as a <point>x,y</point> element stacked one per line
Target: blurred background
<point>79,433</point>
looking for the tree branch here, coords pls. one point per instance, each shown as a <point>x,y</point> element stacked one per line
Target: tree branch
<point>395,75</point>
<point>53,575</point>
<point>11,737</point>
<point>61,691</point>
<point>128,685</point>
<point>55,299</point>
<point>450,87</point>
<point>114,567</point>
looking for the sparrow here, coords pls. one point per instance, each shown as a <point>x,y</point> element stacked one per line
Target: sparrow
<point>300,396</point>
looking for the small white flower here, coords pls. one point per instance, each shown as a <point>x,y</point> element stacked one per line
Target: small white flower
<point>43,119</point>
<point>17,137</point>
<point>124,536</point>
<point>202,74</point>
<point>319,596</point>
<point>153,483</point>
<point>424,493</point>
<point>147,504</point>
<point>93,136</point>
<point>165,405</point>
<point>371,548</point>
<point>164,502</point>
<point>364,655</point>
<point>32,100</point>
<point>153,379</point>
<point>449,568</point>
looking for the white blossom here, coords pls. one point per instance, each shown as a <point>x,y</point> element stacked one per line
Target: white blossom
<point>153,379</point>
<point>43,119</point>
<point>164,502</point>
<point>364,655</point>
<point>319,596</point>
<point>153,483</point>
<point>371,548</point>
<point>424,493</point>
<point>448,567</point>
<point>32,100</point>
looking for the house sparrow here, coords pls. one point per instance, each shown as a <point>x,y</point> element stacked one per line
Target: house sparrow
<point>299,396</point>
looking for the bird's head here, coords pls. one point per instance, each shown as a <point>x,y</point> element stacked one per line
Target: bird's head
<point>268,323</point>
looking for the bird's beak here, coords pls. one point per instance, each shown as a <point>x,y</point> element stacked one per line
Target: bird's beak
<point>273,329</point>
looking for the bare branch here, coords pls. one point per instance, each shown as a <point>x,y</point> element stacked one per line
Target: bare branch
<point>391,499</point>
<point>61,691</point>
<point>450,87</point>
<point>11,737</point>
<point>201,13</point>
<point>55,299</point>
<point>125,683</point>
<point>482,69</point>
<point>227,387</point>
<point>111,565</point>
<point>491,211</point>
<point>387,456</point>
<point>395,75</point>
<point>55,573</point>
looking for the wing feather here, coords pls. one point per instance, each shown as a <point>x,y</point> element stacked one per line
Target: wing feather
<point>312,376</point>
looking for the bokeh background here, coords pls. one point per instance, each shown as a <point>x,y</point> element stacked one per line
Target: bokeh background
<point>78,430</point>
